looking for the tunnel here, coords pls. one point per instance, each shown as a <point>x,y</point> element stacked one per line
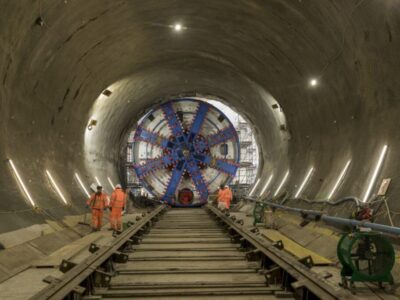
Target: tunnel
<point>316,80</point>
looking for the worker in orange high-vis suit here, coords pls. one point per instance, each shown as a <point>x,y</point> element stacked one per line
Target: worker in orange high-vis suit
<point>117,205</point>
<point>97,202</point>
<point>224,197</point>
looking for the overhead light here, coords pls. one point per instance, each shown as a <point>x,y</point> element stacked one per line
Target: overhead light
<point>97,180</point>
<point>340,178</point>
<point>82,185</point>
<point>313,82</point>
<point>21,183</point>
<point>54,184</point>
<point>282,183</point>
<point>375,174</point>
<point>91,124</point>
<point>111,183</point>
<point>303,184</point>
<point>266,185</point>
<point>178,27</point>
<point>254,187</point>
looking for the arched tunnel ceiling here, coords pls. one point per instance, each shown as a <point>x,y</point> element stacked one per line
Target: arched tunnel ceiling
<point>132,96</point>
<point>242,51</point>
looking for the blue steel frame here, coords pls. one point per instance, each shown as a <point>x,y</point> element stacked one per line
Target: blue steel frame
<point>184,150</point>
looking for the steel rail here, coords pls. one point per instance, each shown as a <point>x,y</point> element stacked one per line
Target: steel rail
<point>74,277</point>
<point>311,281</point>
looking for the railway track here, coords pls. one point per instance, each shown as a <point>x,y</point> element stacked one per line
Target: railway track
<point>197,253</point>
<point>186,254</point>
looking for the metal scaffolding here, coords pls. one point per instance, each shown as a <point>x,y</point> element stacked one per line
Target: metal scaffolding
<point>246,174</point>
<point>131,179</point>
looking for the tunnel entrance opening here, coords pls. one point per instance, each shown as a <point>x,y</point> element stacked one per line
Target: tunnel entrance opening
<point>190,144</point>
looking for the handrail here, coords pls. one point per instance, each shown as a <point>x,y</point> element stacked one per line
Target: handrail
<point>319,215</point>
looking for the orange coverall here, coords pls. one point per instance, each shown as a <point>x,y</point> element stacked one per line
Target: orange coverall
<point>225,196</point>
<point>97,202</point>
<point>118,202</point>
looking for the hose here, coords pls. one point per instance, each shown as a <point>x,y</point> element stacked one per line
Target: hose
<point>354,199</point>
<point>318,215</point>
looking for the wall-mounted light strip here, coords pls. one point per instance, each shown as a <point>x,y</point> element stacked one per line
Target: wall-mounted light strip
<point>111,183</point>
<point>303,184</point>
<point>375,174</point>
<point>254,187</point>
<point>282,183</point>
<point>97,180</point>
<point>82,185</point>
<point>21,183</point>
<point>340,179</point>
<point>266,185</point>
<point>55,186</point>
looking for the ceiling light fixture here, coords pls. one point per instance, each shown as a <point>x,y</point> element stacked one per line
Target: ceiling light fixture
<point>111,183</point>
<point>21,183</point>
<point>303,184</point>
<point>266,185</point>
<point>97,180</point>
<point>54,184</point>
<point>313,82</point>
<point>375,174</point>
<point>282,183</point>
<point>340,178</point>
<point>178,27</point>
<point>82,185</point>
<point>254,187</point>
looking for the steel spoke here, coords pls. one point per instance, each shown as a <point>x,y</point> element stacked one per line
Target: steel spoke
<point>198,180</point>
<point>152,165</point>
<point>173,122</point>
<point>222,136</point>
<point>198,121</point>
<point>223,165</point>
<point>174,181</point>
<point>153,138</point>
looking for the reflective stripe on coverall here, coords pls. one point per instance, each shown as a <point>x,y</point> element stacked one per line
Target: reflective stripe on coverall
<point>118,202</point>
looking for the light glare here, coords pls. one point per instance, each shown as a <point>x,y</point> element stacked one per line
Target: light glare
<point>54,184</point>
<point>313,82</point>
<point>177,27</point>
<point>21,183</point>
<point>282,183</point>
<point>82,185</point>
<point>339,180</point>
<point>266,185</point>
<point>375,174</point>
<point>303,184</point>
<point>254,187</point>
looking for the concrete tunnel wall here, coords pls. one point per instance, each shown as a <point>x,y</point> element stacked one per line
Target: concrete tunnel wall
<point>246,52</point>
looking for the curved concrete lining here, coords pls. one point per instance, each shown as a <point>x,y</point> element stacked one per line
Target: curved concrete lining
<point>250,53</point>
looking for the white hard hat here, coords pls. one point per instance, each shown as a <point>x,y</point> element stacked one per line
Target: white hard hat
<point>118,186</point>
